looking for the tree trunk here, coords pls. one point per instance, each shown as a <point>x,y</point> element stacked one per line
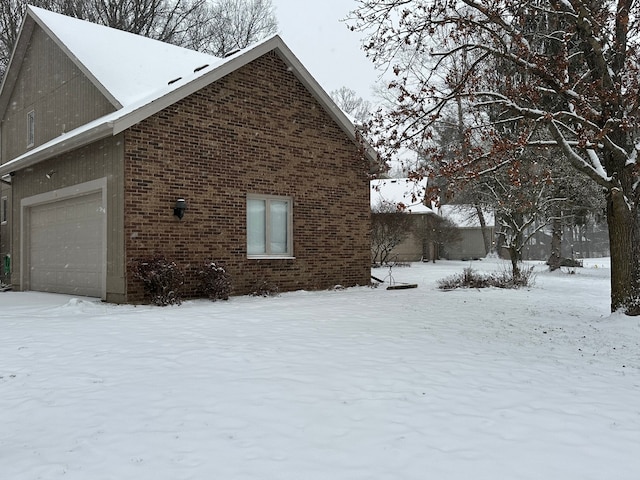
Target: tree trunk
<point>624,240</point>
<point>589,237</point>
<point>556,243</point>
<point>500,242</point>
<point>515,262</point>
<point>485,231</point>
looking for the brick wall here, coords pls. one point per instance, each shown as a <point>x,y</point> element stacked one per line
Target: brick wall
<point>257,130</point>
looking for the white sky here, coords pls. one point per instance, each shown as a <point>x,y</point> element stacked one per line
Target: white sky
<point>313,30</point>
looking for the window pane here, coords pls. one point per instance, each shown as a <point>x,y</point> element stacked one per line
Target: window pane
<point>256,223</point>
<point>31,128</point>
<point>278,222</point>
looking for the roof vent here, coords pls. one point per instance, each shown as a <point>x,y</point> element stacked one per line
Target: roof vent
<point>200,68</point>
<point>174,80</point>
<point>232,52</point>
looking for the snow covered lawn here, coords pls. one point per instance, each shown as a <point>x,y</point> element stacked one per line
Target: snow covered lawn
<point>363,383</point>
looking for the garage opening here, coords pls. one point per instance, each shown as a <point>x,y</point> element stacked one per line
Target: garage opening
<point>66,245</point>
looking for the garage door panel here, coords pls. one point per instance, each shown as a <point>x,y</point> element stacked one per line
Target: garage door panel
<point>67,245</point>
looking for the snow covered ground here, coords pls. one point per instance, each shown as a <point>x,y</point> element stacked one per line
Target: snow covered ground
<point>362,383</point>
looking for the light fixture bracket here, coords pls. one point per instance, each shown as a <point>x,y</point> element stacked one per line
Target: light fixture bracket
<point>179,208</point>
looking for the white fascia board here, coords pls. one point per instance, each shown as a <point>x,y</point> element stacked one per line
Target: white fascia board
<point>58,146</point>
<point>232,64</point>
<point>323,98</point>
<point>334,111</point>
<point>173,94</point>
<point>124,118</point>
<point>316,90</point>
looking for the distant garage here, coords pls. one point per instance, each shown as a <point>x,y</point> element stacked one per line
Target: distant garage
<point>65,248</point>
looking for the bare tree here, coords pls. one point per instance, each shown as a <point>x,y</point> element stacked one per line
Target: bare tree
<point>389,228</point>
<point>231,25</point>
<point>571,82</point>
<point>353,105</point>
<point>211,26</point>
<point>435,232</point>
<point>11,13</point>
<point>164,20</point>
<point>521,213</point>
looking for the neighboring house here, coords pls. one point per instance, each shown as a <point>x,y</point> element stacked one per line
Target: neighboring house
<point>406,197</point>
<point>103,132</point>
<point>426,237</point>
<point>472,243</point>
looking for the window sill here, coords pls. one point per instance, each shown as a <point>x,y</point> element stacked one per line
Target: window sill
<point>270,257</point>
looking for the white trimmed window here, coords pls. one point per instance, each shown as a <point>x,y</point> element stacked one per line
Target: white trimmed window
<point>4,210</point>
<point>31,128</point>
<point>269,226</point>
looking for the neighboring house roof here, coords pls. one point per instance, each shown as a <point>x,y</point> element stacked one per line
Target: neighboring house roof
<point>407,195</point>
<point>401,194</point>
<point>139,76</point>
<point>466,216</point>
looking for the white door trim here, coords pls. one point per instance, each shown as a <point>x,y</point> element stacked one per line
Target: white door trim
<point>93,186</point>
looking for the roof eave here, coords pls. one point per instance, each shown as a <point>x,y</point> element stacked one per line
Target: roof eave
<point>235,62</point>
<point>334,111</point>
<point>127,120</point>
<point>57,147</point>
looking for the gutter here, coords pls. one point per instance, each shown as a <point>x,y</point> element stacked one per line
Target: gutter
<point>57,146</point>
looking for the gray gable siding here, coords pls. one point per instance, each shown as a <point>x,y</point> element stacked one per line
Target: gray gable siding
<point>60,95</point>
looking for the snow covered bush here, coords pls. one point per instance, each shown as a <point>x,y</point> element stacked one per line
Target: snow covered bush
<point>524,277</point>
<point>162,280</point>
<point>215,282</point>
<point>263,288</point>
<point>469,278</point>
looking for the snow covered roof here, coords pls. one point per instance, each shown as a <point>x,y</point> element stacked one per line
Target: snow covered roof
<point>126,66</point>
<point>139,76</point>
<point>403,194</point>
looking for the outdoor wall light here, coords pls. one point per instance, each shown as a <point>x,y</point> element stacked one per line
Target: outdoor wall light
<point>179,208</point>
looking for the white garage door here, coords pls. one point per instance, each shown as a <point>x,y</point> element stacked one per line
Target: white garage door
<point>66,245</point>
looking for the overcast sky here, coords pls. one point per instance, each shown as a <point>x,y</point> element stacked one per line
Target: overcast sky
<point>313,30</point>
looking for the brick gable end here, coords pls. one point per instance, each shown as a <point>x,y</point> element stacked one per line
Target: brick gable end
<point>258,130</point>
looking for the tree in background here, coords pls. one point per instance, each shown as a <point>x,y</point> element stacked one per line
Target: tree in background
<point>582,203</point>
<point>11,13</point>
<point>217,27</point>
<point>389,228</point>
<point>435,233</point>
<point>356,107</point>
<point>231,25</point>
<point>360,111</point>
<point>559,74</point>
